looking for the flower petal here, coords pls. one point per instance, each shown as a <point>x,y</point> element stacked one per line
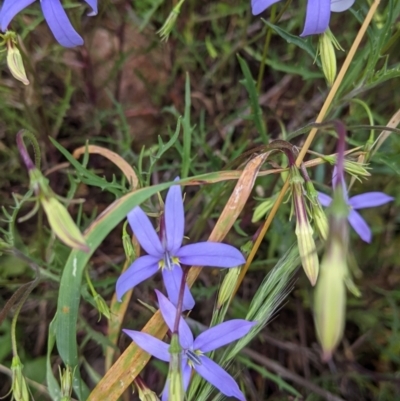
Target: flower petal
<point>150,344</point>
<point>258,6</point>
<point>145,233</point>
<point>59,23</point>
<point>93,5</point>
<point>317,17</point>
<point>210,254</point>
<point>172,282</point>
<point>324,199</point>
<point>169,314</point>
<point>360,226</point>
<point>10,9</point>
<point>174,218</point>
<point>222,334</point>
<point>141,269</point>
<point>337,6</point>
<point>217,376</point>
<point>369,199</point>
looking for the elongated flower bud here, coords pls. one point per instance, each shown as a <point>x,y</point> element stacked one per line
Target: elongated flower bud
<point>19,388</point>
<point>304,231</point>
<point>330,299</point>
<point>59,219</point>
<point>175,380</point>
<point>228,285</point>
<point>326,48</point>
<point>14,59</point>
<point>317,213</point>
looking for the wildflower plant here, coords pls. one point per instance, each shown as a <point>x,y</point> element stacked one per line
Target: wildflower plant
<point>97,115</point>
<point>193,350</point>
<point>165,251</point>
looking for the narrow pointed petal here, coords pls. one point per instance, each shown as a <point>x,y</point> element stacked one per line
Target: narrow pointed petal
<point>258,6</point>
<point>172,281</point>
<point>217,376</point>
<point>141,269</point>
<point>174,218</point>
<point>10,9</point>
<point>150,344</point>
<point>210,254</point>
<point>93,5</point>
<point>59,24</point>
<point>360,226</point>
<point>317,17</point>
<point>222,334</point>
<point>337,6</point>
<point>369,199</point>
<point>169,314</point>
<point>324,199</point>
<point>145,233</point>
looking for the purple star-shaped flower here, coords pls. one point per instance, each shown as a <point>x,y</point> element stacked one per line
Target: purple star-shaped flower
<point>369,199</point>
<point>317,16</point>
<point>168,253</point>
<point>53,13</point>
<point>193,350</point>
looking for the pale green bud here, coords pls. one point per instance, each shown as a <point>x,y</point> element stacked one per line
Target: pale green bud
<point>19,388</point>
<point>330,299</point>
<point>317,213</point>
<point>62,224</point>
<point>175,381</point>
<point>127,244</point>
<point>169,24</point>
<point>66,379</point>
<point>304,231</point>
<point>102,306</point>
<point>59,219</point>
<point>352,167</point>
<point>228,286</point>
<point>328,57</point>
<point>144,393</point>
<point>263,208</point>
<point>14,59</point>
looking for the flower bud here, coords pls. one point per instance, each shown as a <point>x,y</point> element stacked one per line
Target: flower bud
<point>144,393</point>
<point>228,286</point>
<point>175,380</point>
<point>169,24</point>
<point>263,208</point>
<point>16,65</point>
<point>19,388</point>
<point>304,231</point>
<point>330,299</point>
<point>102,306</point>
<point>328,57</point>
<point>66,379</point>
<point>355,168</point>
<point>127,244</point>
<point>317,213</point>
<point>59,219</point>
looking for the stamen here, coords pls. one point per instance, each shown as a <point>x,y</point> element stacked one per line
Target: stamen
<point>193,357</point>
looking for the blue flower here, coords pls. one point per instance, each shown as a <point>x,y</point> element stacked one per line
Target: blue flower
<point>53,13</point>
<point>317,16</point>
<point>362,201</point>
<point>193,350</point>
<point>168,253</point>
